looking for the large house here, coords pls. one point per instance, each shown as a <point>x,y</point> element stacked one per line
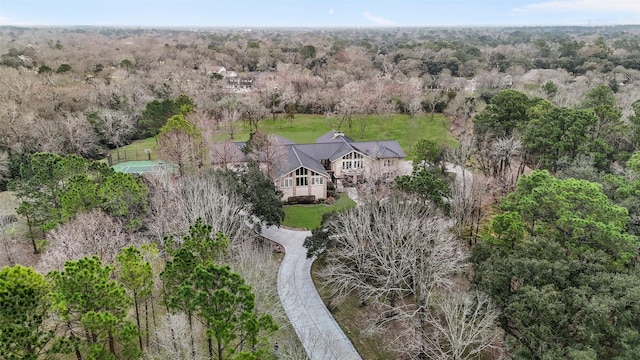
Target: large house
<point>305,169</point>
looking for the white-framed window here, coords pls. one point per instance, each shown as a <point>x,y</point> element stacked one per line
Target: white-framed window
<point>352,160</point>
<point>316,180</point>
<point>346,164</point>
<point>286,182</point>
<point>389,162</point>
<point>301,177</point>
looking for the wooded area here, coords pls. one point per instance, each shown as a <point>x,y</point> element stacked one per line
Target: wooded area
<point>521,241</point>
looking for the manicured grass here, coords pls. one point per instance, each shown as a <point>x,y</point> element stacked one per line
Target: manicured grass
<point>309,216</point>
<point>135,150</point>
<point>307,128</point>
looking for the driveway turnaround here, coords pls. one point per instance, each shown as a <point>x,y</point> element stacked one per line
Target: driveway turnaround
<point>318,331</point>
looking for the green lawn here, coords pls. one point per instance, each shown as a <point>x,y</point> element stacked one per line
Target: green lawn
<point>307,128</point>
<point>309,216</point>
<point>136,150</point>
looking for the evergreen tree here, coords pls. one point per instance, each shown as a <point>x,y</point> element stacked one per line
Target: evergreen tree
<point>559,265</point>
<point>225,305</point>
<point>24,308</point>
<point>92,310</point>
<point>136,276</point>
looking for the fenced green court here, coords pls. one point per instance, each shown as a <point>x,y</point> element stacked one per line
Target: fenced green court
<point>127,155</point>
<point>143,166</point>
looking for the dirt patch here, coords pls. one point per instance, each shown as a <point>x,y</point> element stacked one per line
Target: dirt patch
<point>459,128</point>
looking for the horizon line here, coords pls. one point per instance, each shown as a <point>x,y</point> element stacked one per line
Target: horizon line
<point>375,27</point>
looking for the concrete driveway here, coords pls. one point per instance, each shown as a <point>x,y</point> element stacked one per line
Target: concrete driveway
<point>318,331</point>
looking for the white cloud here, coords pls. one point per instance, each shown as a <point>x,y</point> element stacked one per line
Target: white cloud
<point>584,6</point>
<point>377,20</point>
<point>331,11</point>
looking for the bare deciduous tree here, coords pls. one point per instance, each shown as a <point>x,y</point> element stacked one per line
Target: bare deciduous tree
<point>390,249</point>
<point>255,262</point>
<point>116,127</point>
<point>4,165</point>
<point>181,143</point>
<point>497,158</point>
<point>466,207</point>
<point>462,326</point>
<point>224,154</point>
<point>88,234</point>
<point>17,129</point>
<point>173,338</point>
<point>397,254</point>
<point>176,204</point>
<point>269,151</point>
<point>462,107</point>
<point>252,110</point>
<point>78,135</point>
<point>230,118</point>
<point>413,100</point>
<point>7,234</point>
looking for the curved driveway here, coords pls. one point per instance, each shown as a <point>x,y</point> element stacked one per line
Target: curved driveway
<point>318,331</point>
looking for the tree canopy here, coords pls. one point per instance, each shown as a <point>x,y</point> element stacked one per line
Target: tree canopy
<point>157,112</point>
<point>558,263</point>
<point>93,308</point>
<point>180,143</point>
<point>24,308</point>
<point>259,192</point>
<point>53,188</point>
<point>506,111</point>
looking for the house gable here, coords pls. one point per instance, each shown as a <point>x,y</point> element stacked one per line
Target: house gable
<point>303,182</point>
<point>305,169</point>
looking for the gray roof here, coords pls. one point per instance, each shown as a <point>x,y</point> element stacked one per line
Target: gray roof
<point>334,150</point>
<point>380,149</point>
<point>331,150</point>
<point>330,146</point>
<point>333,136</point>
<point>281,139</point>
<point>296,158</point>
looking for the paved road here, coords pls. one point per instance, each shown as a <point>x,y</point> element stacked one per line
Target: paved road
<point>318,331</point>
<point>464,178</point>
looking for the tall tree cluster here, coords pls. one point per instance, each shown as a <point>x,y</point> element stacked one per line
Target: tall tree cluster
<point>52,189</point>
<point>516,131</point>
<point>559,264</point>
<point>399,257</point>
<point>92,310</point>
<point>114,259</point>
<point>559,257</point>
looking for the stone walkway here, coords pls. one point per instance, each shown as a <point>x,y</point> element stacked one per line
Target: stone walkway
<point>318,331</point>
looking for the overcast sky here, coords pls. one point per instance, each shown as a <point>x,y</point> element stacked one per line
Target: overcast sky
<point>318,13</point>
